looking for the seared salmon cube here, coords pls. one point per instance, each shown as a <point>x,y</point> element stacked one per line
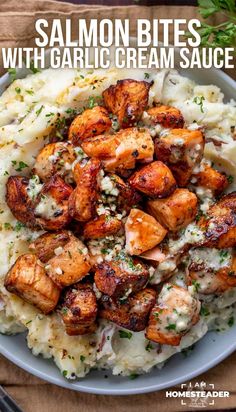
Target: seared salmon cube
<point>54,158</point>
<point>71,265</point>
<point>18,200</point>
<point>121,276</point>
<point>154,180</point>
<point>27,279</point>
<point>51,205</point>
<point>211,179</point>
<point>131,313</point>
<point>79,309</point>
<point>46,245</point>
<point>211,271</point>
<point>220,224</point>
<point>102,226</point>
<point>181,150</point>
<point>127,197</point>
<point>82,202</point>
<point>168,117</point>
<point>90,123</point>
<point>142,232</point>
<point>127,100</point>
<point>176,211</point>
<point>173,316</point>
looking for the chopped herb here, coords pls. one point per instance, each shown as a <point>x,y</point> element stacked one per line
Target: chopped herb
<point>39,110</point>
<point>49,114</point>
<point>82,77</point>
<point>231,321</point>
<point>71,111</point>
<point>82,358</point>
<point>31,92</point>
<point>19,226</point>
<point>187,351</point>
<point>18,90</point>
<point>64,311</point>
<point>6,173</point>
<point>199,101</point>
<point>204,311</point>
<point>196,285</point>
<point>21,166</point>
<point>29,321</point>
<point>104,251</point>
<point>7,226</point>
<point>12,74</point>
<point>64,373</point>
<point>91,102</point>
<point>125,334</point>
<point>146,75</point>
<point>133,376</point>
<point>230,179</point>
<point>223,255</point>
<point>34,69</point>
<point>149,347</point>
<point>171,326</point>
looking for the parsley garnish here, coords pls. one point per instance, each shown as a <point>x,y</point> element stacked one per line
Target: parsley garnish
<point>125,334</point>
<point>18,90</point>
<point>12,74</point>
<point>133,376</point>
<point>223,34</point>
<point>171,326</point>
<point>230,179</point>
<point>21,166</point>
<point>39,110</point>
<point>149,347</point>
<point>231,321</point>
<point>199,101</point>
<point>204,311</point>
<point>82,358</point>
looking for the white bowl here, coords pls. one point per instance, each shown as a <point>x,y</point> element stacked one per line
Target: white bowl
<point>208,352</point>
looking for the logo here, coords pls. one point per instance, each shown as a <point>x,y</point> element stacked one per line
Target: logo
<point>198,394</point>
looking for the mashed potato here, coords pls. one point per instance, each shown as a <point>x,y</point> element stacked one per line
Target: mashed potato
<point>28,110</point>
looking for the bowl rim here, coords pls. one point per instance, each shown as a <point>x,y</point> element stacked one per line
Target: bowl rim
<point>68,384</point>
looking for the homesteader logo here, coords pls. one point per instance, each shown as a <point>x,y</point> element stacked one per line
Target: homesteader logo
<point>197,395</point>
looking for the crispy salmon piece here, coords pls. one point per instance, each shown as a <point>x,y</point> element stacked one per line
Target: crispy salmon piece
<point>71,265</point>
<point>101,147</point>
<point>211,179</point>
<point>169,117</point>
<point>142,232</point>
<point>79,309</point>
<point>136,145</point>
<point>176,211</point>
<point>90,123</point>
<point>154,180</point>
<point>122,150</point>
<point>51,205</point>
<point>220,224</point>
<point>46,244</point>
<point>206,278</point>
<point>82,202</point>
<point>27,278</point>
<point>173,316</point>
<point>127,197</point>
<point>102,226</point>
<point>181,150</point>
<point>121,276</point>
<point>55,158</point>
<point>127,100</point>
<point>131,313</point>
<point>18,200</point>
